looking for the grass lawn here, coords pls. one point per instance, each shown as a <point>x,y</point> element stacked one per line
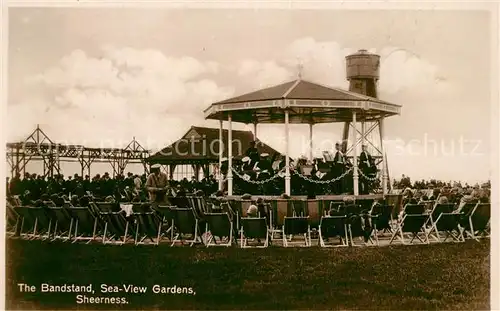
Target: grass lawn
<point>438,276</point>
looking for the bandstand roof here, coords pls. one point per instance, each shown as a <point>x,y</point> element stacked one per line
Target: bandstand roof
<point>200,145</point>
<point>307,102</point>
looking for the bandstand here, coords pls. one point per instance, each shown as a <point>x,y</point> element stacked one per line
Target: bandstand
<point>304,102</point>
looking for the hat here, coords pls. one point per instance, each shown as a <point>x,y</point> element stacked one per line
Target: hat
<point>245,159</point>
<point>223,159</point>
<point>264,155</point>
<point>155,166</point>
<point>338,143</point>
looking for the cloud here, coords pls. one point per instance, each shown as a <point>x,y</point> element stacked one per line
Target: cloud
<point>324,61</point>
<point>122,93</point>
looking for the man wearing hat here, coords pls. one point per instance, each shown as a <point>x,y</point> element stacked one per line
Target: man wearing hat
<point>157,184</point>
<point>366,165</point>
<point>252,153</point>
<point>339,164</point>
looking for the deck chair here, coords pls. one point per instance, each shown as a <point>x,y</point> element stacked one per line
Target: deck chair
<point>436,211</point>
<point>27,222</point>
<point>412,224</point>
<point>381,218</point>
<point>84,224</point>
<point>148,226</point>
<point>166,216</point>
<point>184,222</point>
<point>293,226</point>
<point>449,224</point>
<point>219,225</point>
<point>63,223</point>
<point>333,227</point>
<point>13,220</point>
<point>117,228</point>
<point>479,221</point>
<point>254,228</point>
<point>41,221</point>
<point>360,226</point>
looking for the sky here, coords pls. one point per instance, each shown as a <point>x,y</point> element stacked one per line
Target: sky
<point>99,77</point>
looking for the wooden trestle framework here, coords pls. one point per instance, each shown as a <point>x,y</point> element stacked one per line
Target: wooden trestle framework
<point>39,147</point>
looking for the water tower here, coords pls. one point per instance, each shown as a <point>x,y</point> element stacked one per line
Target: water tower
<point>363,72</point>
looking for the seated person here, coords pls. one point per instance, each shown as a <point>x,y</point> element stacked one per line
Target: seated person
<point>253,211</point>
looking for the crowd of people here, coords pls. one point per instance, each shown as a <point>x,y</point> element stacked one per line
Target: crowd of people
<point>33,189</point>
<point>256,174</point>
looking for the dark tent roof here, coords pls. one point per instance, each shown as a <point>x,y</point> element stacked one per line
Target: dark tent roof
<point>201,145</point>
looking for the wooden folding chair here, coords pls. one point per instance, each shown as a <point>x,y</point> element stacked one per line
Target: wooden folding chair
<point>13,220</point>
<point>63,223</point>
<point>449,224</point>
<point>294,226</point>
<point>256,229</point>
<point>148,226</point>
<point>333,227</point>
<point>219,225</point>
<point>414,225</point>
<point>184,222</point>
<point>85,224</point>
<point>117,228</point>
<point>479,221</point>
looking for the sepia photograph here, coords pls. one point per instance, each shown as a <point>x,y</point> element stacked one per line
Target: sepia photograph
<point>249,156</point>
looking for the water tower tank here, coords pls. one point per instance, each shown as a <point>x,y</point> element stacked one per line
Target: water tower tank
<point>363,71</point>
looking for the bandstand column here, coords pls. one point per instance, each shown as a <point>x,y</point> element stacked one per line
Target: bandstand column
<point>363,131</point>
<point>384,164</point>
<point>221,150</point>
<point>255,131</point>
<point>229,155</point>
<point>287,158</point>
<point>310,142</point>
<point>355,155</point>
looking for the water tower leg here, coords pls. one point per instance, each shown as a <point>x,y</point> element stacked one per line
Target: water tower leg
<point>384,159</point>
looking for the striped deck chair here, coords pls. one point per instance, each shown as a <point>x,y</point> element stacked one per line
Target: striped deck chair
<point>117,228</point>
<point>63,223</point>
<point>293,226</point>
<point>412,224</point>
<point>198,204</point>
<point>436,211</point>
<point>449,224</point>
<point>479,221</point>
<point>184,222</point>
<point>148,226</point>
<point>219,225</point>
<point>333,227</point>
<point>84,224</point>
<point>256,229</point>
<point>13,220</point>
